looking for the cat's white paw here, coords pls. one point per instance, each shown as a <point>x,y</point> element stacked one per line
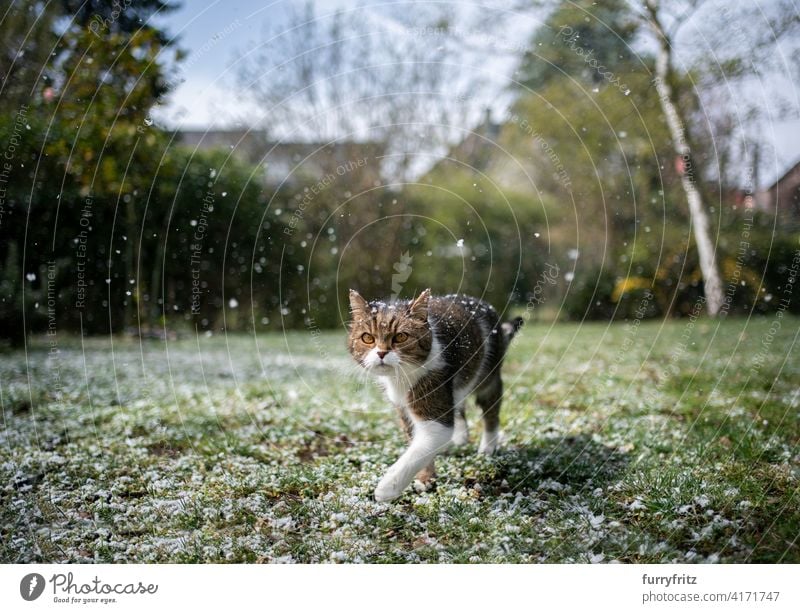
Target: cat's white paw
<point>460,436</point>
<point>489,442</point>
<point>487,449</point>
<point>388,488</point>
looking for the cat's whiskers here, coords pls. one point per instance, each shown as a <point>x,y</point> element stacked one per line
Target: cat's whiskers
<point>354,371</point>
<point>401,372</point>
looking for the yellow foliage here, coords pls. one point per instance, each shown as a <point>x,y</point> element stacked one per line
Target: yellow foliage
<point>628,284</point>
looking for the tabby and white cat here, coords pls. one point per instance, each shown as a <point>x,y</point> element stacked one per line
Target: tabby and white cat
<point>429,354</point>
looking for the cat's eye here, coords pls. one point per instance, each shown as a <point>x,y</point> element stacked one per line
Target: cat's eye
<point>367,338</point>
<point>400,337</point>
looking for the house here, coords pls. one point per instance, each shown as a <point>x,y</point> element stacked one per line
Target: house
<point>783,196</point>
<point>293,164</point>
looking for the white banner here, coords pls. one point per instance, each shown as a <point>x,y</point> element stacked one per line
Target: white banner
<point>501,589</point>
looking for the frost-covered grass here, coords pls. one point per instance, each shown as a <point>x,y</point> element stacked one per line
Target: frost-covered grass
<point>657,443</point>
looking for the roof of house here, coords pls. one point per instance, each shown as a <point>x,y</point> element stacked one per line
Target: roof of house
<point>792,171</point>
<point>282,160</point>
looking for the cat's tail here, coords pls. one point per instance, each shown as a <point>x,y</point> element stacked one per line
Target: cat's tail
<point>510,328</point>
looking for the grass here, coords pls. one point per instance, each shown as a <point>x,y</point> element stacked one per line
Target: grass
<point>663,442</point>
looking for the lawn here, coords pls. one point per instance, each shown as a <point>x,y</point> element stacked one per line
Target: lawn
<point>662,442</point>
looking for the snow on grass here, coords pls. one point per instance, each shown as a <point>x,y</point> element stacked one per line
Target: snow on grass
<point>227,449</point>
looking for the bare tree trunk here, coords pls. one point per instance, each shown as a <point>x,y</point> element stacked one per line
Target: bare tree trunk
<point>712,282</point>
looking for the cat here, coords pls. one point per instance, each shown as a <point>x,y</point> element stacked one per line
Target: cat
<point>429,354</point>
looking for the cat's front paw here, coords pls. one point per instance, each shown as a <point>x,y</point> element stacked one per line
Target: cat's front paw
<point>460,434</point>
<point>388,489</point>
<point>489,443</point>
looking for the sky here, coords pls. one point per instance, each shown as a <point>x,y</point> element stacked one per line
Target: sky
<point>212,32</point>
<point>216,32</point>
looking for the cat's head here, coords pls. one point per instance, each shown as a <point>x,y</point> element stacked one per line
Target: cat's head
<point>384,338</point>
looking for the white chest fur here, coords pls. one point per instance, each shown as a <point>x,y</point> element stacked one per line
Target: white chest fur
<point>396,390</point>
<point>399,384</point>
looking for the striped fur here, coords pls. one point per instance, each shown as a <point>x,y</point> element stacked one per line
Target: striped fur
<point>430,354</point>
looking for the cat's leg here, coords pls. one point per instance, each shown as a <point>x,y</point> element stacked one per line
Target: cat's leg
<point>460,430</point>
<point>489,397</point>
<point>429,438</point>
<point>427,475</point>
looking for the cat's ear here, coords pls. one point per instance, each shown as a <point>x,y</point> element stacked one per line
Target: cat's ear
<point>358,306</point>
<point>419,307</point>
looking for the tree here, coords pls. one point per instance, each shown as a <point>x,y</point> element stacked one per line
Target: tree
<point>102,17</point>
<point>357,88</point>
<point>27,41</point>
<point>678,125</point>
<point>664,22</point>
<point>603,32</point>
<point>87,74</point>
<point>588,120</point>
<point>681,78</point>
<point>336,78</point>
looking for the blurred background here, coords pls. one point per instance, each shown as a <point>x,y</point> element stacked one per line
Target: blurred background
<point>217,166</point>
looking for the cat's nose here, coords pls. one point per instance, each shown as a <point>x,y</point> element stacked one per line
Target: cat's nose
<point>381,354</point>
